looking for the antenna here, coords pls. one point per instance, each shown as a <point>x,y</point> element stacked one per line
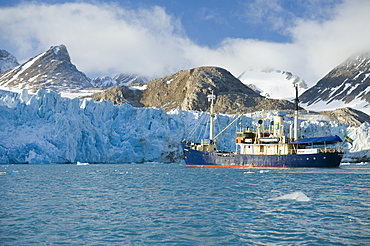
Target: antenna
<point>296,100</point>
<point>211,99</point>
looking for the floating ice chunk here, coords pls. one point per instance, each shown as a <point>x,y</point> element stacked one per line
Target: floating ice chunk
<point>362,163</point>
<point>82,163</point>
<point>298,196</point>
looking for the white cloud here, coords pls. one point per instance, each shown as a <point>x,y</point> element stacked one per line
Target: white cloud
<point>100,38</point>
<point>326,44</point>
<point>270,11</point>
<point>107,39</point>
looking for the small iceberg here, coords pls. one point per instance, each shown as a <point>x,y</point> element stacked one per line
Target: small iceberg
<point>264,171</point>
<point>82,163</point>
<point>298,196</point>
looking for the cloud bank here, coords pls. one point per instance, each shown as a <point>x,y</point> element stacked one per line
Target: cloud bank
<point>107,39</point>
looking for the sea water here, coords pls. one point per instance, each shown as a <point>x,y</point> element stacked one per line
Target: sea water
<point>170,204</point>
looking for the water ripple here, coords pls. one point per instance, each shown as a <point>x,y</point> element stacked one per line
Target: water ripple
<point>170,204</point>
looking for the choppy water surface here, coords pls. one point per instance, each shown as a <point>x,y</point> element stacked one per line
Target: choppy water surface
<point>170,204</point>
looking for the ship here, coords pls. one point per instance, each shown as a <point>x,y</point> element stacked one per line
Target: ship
<point>265,148</point>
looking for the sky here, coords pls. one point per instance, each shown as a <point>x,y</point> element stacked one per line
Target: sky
<point>154,38</point>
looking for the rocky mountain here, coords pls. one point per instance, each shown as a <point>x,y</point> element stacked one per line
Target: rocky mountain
<point>347,85</point>
<point>52,70</point>
<point>120,79</point>
<point>7,61</point>
<point>272,83</point>
<point>188,90</point>
<point>119,94</point>
<point>348,116</point>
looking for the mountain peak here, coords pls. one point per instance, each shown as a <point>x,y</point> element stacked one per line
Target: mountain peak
<point>59,53</point>
<point>188,90</point>
<point>348,116</point>
<point>361,56</point>
<point>7,61</point>
<point>347,85</point>
<point>52,70</point>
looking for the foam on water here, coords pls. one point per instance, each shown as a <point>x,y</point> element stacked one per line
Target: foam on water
<point>298,196</point>
<point>264,171</point>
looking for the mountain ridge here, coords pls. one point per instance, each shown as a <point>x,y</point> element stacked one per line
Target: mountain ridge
<point>52,69</point>
<point>7,61</point>
<point>188,90</point>
<point>120,79</point>
<point>348,116</point>
<point>347,85</point>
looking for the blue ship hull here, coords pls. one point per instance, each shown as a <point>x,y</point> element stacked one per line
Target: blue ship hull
<point>196,158</point>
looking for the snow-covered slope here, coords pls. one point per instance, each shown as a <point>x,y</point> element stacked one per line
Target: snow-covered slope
<point>51,70</point>
<point>347,85</point>
<point>272,83</point>
<point>120,79</point>
<point>7,61</point>
<point>47,128</point>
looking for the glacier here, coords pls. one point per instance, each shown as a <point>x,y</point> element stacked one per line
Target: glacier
<point>46,128</point>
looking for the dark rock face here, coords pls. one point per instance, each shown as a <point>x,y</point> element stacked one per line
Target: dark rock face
<point>7,61</point>
<point>188,90</point>
<point>52,70</point>
<point>348,81</point>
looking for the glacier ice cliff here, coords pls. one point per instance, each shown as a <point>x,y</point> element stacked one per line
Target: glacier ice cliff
<point>46,128</point>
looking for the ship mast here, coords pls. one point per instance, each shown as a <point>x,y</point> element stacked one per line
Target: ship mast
<point>211,99</point>
<point>296,113</point>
